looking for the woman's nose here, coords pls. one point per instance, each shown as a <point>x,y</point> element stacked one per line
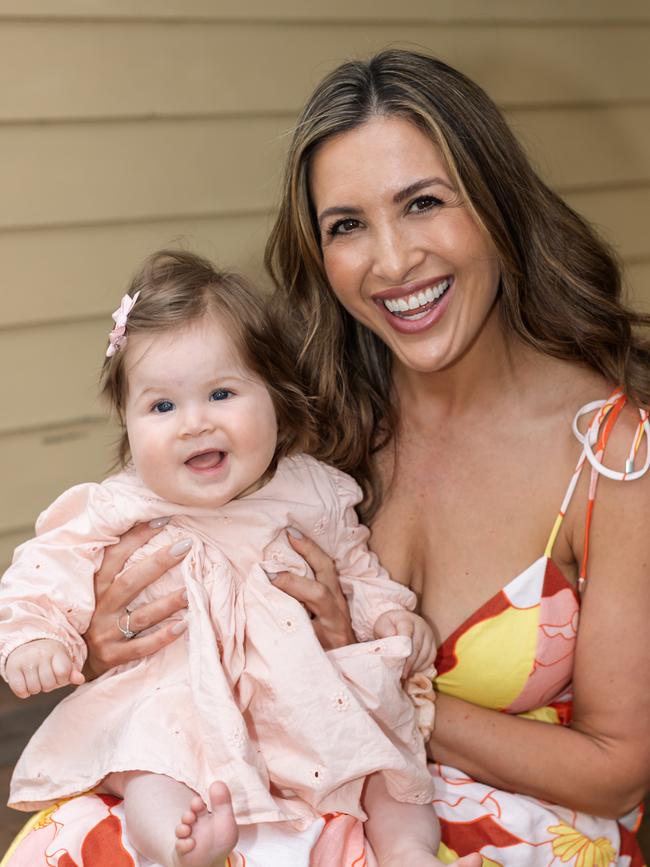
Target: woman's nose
<point>395,256</point>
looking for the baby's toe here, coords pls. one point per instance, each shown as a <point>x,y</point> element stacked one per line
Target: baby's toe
<point>197,805</point>
<point>188,817</point>
<point>185,846</point>
<point>183,830</point>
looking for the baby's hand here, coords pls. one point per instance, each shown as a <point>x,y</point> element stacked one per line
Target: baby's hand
<point>400,622</point>
<point>40,666</point>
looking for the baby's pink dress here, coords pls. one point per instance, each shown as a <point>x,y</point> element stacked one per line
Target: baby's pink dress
<point>247,695</point>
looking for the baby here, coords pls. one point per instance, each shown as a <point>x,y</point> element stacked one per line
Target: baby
<point>245,714</point>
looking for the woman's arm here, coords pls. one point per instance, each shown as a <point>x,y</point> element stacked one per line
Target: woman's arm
<point>601,764</point>
<point>107,646</point>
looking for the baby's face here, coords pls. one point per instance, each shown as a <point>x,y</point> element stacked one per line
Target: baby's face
<point>202,428</point>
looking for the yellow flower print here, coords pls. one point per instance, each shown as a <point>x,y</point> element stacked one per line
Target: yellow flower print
<point>570,843</point>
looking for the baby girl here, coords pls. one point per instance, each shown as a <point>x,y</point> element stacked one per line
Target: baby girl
<point>245,720</point>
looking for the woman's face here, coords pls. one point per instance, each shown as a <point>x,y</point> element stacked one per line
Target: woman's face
<point>402,252</point>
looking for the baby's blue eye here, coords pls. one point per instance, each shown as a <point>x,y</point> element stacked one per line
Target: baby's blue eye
<point>220,394</point>
<point>163,406</point>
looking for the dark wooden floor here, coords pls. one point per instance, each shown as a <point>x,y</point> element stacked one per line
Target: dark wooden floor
<point>18,719</point>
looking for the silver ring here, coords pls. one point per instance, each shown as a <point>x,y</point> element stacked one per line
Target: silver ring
<point>126,631</point>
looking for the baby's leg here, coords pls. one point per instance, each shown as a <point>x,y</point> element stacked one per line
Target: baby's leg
<point>403,833</point>
<point>169,823</point>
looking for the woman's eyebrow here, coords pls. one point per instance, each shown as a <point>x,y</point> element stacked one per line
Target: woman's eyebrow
<point>347,210</point>
<point>420,185</point>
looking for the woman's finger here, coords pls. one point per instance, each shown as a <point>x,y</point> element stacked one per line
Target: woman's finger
<point>115,556</point>
<point>312,594</point>
<point>123,589</point>
<point>155,612</point>
<point>322,565</point>
<point>145,645</point>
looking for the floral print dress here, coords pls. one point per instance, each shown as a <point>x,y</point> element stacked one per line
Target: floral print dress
<point>515,655</point>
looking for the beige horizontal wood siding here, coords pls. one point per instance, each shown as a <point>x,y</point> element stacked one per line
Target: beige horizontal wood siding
<point>281,11</point>
<point>126,125</point>
<point>145,68</point>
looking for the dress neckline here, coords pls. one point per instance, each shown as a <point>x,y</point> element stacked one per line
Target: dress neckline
<point>593,444</point>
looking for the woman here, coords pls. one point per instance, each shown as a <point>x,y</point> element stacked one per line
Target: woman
<point>460,314</point>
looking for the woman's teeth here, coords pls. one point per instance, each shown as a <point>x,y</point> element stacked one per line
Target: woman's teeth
<point>410,306</point>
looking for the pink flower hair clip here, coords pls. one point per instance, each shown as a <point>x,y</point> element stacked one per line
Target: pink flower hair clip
<point>117,337</point>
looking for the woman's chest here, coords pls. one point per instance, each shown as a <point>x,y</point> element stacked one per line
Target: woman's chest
<point>457,527</point>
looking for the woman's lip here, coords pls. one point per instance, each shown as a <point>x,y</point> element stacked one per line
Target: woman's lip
<point>415,326</point>
<point>409,288</point>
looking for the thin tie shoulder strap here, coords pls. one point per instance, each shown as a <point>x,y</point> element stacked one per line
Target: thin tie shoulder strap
<point>594,442</point>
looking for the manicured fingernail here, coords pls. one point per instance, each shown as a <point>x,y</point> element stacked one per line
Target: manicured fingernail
<point>295,533</point>
<point>179,627</point>
<point>180,548</point>
<point>184,595</point>
<point>157,523</point>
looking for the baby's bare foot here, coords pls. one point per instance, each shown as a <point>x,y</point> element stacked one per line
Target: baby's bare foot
<point>205,839</point>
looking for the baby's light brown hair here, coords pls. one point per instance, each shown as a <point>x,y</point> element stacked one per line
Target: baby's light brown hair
<point>178,287</point>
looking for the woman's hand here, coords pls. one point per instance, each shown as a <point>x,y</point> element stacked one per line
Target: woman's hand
<point>107,646</point>
<point>323,598</point>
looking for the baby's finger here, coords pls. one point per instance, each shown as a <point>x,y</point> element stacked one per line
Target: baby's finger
<point>46,675</point>
<point>62,668</point>
<point>17,684</point>
<point>32,681</point>
<point>115,556</point>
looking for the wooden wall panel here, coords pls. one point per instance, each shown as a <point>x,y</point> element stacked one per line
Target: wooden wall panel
<point>587,147</point>
<point>39,465</point>
<point>74,272</point>
<point>621,215</point>
<point>638,284</point>
<point>89,173</point>
<point>143,68</point>
<point>341,10</point>
<point>50,373</point>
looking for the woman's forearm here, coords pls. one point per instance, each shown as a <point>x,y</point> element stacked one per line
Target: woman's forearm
<point>550,762</point>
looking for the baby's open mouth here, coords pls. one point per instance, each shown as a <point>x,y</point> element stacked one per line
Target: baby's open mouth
<point>207,460</point>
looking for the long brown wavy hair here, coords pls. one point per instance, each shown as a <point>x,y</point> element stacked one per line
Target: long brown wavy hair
<point>178,287</point>
<point>560,286</point>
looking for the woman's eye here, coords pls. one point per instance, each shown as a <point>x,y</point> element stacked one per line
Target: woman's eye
<point>163,406</point>
<point>220,394</point>
<point>425,203</point>
<point>343,227</point>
